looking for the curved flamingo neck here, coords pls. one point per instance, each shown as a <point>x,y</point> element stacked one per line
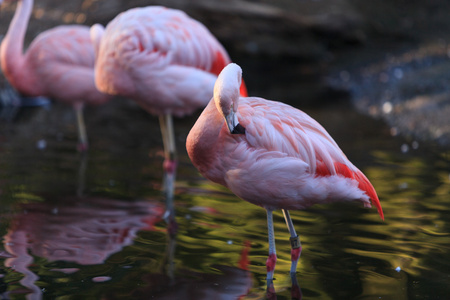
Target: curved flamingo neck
<point>202,140</point>
<point>11,52</point>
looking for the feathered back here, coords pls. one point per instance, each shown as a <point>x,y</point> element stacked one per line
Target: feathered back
<point>275,126</point>
<point>166,36</point>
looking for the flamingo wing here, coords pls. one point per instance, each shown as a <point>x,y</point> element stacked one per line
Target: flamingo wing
<point>275,126</point>
<point>69,44</point>
<point>62,60</point>
<point>285,182</point>
<point>161,58</point>
<point>163,37</point>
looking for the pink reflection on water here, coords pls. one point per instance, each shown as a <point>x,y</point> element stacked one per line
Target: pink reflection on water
<point>101,278</point>
<point>84,230</point>
<point>66,270</point>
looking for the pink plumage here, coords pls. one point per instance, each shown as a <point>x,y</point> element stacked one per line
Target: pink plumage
<point>59,63</point>
<point>284,153</point>
<point>159,57</point>
<point>280,157</point>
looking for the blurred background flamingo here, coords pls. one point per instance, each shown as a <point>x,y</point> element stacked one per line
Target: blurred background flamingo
<point>272,155</point>
<point>58,64</point>
<point>164,60</point>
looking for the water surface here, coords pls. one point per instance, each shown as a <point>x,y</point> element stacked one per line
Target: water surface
<point>92,226</point>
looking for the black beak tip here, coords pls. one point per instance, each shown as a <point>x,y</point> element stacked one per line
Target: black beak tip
<point>239,129</point>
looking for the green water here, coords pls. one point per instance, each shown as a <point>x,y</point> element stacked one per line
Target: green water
<point>91,227</point>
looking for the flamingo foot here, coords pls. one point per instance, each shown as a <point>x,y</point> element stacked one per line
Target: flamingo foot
<point>170,166</point>
<point>270,265</point>
<point>296,291</point>
<point>270,293</point>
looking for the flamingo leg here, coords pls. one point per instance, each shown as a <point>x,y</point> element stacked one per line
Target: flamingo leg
<point>272,259</point>
<point>82,174</point>
<point>296,246</point>
<point>82,136</point>
<point>166,124</point>
<point>296,291</point>
<point>169,166</point>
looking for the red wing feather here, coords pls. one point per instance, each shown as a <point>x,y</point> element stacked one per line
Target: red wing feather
<point>243,90</point>
<point>363,183</point>
<point>321,169</point>
<point>219,63</point>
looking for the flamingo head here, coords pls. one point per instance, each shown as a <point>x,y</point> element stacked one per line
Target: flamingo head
<point>226,96</point>
<point>96,33</point>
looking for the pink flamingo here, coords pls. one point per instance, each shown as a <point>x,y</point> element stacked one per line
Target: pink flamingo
<point>165,61</point>
<point>59,64</point>
<point>272,155</point>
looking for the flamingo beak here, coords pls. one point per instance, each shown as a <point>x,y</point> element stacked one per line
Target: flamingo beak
<point>233,124</point>
<point>231,121</point>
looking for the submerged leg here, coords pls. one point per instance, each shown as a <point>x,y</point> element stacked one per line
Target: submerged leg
<point>296,291</point>
<point>296,246</point>
<point>169,166</point>
<point>82,136</point>
<point>82,174</point>
<point>272,259</point>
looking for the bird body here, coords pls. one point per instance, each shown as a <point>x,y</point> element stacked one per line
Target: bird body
<point>58,63</point>
<point>44,71</point>
<point>272,155</point>
<point>284,160</point>
<point>161,58</point>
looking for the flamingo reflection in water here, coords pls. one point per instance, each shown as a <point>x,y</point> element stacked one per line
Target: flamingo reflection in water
<point>84,230</point>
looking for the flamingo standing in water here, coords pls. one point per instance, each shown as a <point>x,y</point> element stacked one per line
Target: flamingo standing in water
<point>272,155</point>
<point>59,64</point>
<point>165,61</point>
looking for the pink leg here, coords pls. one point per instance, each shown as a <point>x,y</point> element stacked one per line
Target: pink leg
<point>272,259</point>
<point>82,136</point>
<point>296,247</point>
